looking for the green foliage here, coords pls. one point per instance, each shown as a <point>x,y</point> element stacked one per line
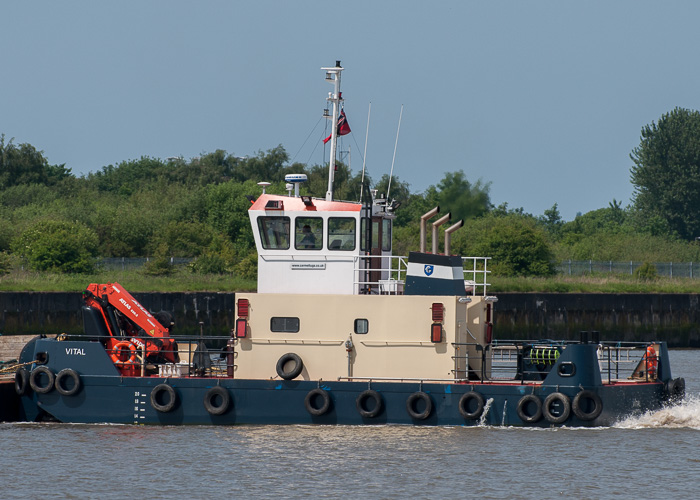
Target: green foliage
<point>7,232</point>
<point>463,199</point>
<point>6,263</point>
<point>516,244</point>
<point>225,209</point>
<point>209,263</point>
<point>666,173</point>
<point>23,164</point>
<point>27,194</point>
<point>247,267</point>
<point>552,221</point>
<point>61,246</point>
<point>185,239</point>
<point>159,264</point>
<point>646,272</point>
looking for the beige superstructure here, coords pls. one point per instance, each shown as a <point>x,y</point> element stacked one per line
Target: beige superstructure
<point>398,342</point>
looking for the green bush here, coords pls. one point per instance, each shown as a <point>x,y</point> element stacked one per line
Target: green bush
<point>516,245</point>
<point>646,272</point>
<point>209,263</point>
<point>52,245</point>
<point>247,267</point>
<point>6,263</point>
<point>159,264</point>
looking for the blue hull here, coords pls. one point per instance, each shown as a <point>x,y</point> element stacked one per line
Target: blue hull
<point>127,401</point>
<point>104,396</point>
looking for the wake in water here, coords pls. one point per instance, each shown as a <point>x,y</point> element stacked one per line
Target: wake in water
<point>685,415</point>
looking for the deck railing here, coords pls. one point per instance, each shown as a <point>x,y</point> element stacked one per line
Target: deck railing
<point>531,362</point>
<point>393,277</point>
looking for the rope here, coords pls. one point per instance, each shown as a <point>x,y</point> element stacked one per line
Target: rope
<point>13,367</point>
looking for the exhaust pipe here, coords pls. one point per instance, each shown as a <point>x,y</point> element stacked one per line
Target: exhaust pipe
<point>436,224</point>
<point>448,235</point>
<point>423,221</point>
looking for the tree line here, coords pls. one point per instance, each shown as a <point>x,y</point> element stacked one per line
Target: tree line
<point>52,220</point>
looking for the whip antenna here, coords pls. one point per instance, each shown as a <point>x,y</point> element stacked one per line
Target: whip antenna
<point>394,158</point>
<point>364,158</point>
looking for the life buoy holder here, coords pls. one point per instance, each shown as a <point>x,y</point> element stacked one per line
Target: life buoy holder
<point>123,353</point>
<point>313,396</point>
<point>652,362</point>
<point>361,403</point>
<point>161,404</point>
<point>411,402</point>
<point>580,401</point>
<point>37,375</point>
<point>217,400</point>
<point>21,381</point>
<point>71,389</point>
<point>524,406</point>
<point>563,406</point>
<point>292,373</point>
<point>465,402</point>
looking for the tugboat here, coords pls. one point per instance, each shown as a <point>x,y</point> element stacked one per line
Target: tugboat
<point>340,331</point>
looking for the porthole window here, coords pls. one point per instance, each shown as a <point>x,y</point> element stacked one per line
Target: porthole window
<point>286,325</point>
<point>361,326</point>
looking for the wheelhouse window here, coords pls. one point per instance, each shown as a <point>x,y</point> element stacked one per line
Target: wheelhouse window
<point>386,235</point>
<point>361,326</point>
<point>285,325</point>
<point>365,234</point>
<point>375,233</point>
<point>274,232</point>
<point>341,233</point>
<point>308,233</point>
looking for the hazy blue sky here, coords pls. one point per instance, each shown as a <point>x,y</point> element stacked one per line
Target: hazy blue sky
<point>544,99</point>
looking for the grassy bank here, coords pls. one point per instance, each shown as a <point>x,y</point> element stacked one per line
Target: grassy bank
<point>184,281</point>
<point>595,284</point>
<point>132,280</point>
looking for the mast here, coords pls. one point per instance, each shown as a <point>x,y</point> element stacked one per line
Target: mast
<point>335,97</point>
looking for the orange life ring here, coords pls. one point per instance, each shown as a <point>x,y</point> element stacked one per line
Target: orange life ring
<point>651,361</point>
<point>120,354</point>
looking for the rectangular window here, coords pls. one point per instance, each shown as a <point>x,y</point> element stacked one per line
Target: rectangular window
<point>365,234</point>
<point>386,236</point>
<point>274,232</point>
<point>361,326</point>
<point>287,325</point>
<point>308,233</point>
<point>375,233</point>
<point>341,233</point>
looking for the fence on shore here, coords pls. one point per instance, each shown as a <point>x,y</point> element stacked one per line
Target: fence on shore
<point>668,269</point>
<point>566,267</point>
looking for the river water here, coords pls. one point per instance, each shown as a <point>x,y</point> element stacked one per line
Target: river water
<point>650,456</point>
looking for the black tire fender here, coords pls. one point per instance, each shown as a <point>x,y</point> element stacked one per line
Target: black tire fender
<point>21,381</point>
<point>411,405</point>
<point>71,374</point>
<point>312,396</point>
<point>464,405</point>
<point>294,372</point>
<point>362,407</point>
<point>523,403</point>
<point>580,412</point>
<point>675,389</point>
<point>213,396</point>
<point>36,375</point>
<point>156,396</point>
<point>565,402</point>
